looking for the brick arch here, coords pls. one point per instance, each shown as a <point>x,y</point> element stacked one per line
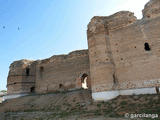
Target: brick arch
<point>81,79</point>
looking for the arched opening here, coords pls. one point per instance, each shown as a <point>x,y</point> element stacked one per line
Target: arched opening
<point>27,71</point>
<point>84,81</point>
<point>32,89</point>
<point>147,47</point>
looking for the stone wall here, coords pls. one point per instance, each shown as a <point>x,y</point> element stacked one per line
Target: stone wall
<point>102,62</point>
<point>21,77</point>
<point>152,9</point>
<point>122,58</point>
<point>124,52</point>
<point>62,72</point>
<point>57,73</point>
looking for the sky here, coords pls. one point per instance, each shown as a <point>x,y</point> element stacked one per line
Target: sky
<point>38,29</point>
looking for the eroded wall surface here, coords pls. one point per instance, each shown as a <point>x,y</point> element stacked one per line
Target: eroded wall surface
<point>18,81</point>
<point>57,73</point>
<point>62,72</point>
<point>124,52</point>
<point>122,58</point>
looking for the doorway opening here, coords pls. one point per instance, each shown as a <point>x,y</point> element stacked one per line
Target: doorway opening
<point>84,81</point>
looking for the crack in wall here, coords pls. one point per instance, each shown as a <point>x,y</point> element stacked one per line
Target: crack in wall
<point>110,55</point>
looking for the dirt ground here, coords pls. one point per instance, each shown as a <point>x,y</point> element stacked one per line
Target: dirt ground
<point>77,105</point>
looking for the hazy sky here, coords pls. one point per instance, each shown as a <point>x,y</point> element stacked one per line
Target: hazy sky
<point>37,29</point>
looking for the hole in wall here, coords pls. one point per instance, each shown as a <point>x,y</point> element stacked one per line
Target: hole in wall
<point>147,47</point>
<point>32,89</point>
<point>60,85</point>
<point>135,47</point>
<point>121,58</point>
<point>114,79</point>
<point>27,71</point>
<point>148,16</point>
<point>41,69</point>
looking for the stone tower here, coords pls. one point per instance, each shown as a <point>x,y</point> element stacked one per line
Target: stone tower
<point>21,78</point>
<point>124,53</point>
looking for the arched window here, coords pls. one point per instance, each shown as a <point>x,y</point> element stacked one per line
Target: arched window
<point>84,81</point>
<point>147,47</point>
<point>27,71</point>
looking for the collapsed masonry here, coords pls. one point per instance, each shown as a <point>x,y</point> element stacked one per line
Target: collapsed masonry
<point>123,58</point>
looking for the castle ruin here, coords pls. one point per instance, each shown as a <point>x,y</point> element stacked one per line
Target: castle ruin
<point>123,58</point>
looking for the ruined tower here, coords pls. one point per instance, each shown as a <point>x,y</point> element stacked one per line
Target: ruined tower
<point>123,58</point>
<point>21,78</point>
<point>124,53</point>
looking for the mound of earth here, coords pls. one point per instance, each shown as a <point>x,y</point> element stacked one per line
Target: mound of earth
<point>76,105</point>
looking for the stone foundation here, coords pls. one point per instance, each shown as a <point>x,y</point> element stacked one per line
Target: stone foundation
<point>7,97</point>
<point>108,95</point>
